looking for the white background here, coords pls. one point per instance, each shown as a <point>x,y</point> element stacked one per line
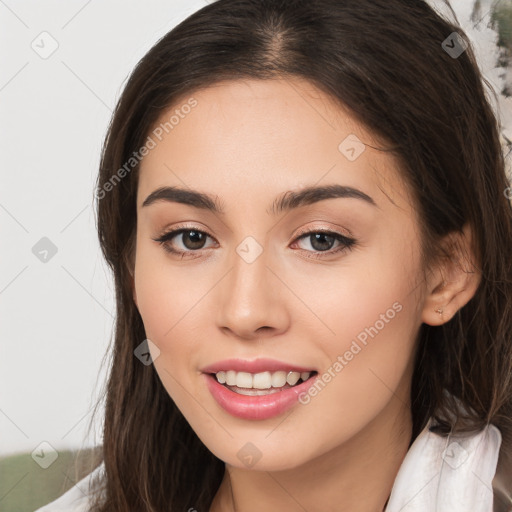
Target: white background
<point>56,317</point>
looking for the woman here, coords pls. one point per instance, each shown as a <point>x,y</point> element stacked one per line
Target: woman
<point>304,207</point>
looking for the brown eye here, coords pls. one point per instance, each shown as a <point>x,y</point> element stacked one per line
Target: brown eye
<point>323,241</point>
<point>191,240</point>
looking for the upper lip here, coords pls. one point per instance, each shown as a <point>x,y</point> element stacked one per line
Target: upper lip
<point>254,366</point>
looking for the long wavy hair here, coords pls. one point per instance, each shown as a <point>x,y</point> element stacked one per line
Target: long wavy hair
<point>384,61</point>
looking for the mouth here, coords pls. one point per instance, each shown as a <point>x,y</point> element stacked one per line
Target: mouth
<point>263,383</point>
<point>257,390</point>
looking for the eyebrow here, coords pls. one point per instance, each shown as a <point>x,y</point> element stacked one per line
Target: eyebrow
<point>285,202</point>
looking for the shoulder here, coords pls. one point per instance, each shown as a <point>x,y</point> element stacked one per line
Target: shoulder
<point>78,497</point>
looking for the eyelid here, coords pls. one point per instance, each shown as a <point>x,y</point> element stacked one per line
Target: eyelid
<point>185,227</point>
<point>323,229</point>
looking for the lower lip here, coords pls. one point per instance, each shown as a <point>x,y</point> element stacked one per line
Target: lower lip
<point>256,407</point>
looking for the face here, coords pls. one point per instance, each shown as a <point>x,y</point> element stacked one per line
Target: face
<point>326,289</point>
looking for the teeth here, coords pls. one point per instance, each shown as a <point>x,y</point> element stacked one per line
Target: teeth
<point>243,380</point>
<point>293,378</point>
<point>278,379</point>
<point>263,380</point>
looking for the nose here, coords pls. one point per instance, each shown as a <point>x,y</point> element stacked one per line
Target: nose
<point>252,299</point>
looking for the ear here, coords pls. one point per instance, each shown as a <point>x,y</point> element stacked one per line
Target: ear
<point>453,281</point>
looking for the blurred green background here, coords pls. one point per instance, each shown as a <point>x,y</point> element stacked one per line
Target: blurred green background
<point>25,486</point>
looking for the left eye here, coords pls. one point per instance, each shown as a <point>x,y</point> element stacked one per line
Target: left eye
<point>193,240</point>
<point>323,241</point>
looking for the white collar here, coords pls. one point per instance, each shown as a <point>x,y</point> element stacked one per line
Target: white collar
<point>451,473</point>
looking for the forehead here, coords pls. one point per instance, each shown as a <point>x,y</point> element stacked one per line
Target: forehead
<point>244,137</point>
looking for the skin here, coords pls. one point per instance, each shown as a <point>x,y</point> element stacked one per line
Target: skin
<point>247,142</point>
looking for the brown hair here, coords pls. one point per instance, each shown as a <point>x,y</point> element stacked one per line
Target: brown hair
<point>384,61</point>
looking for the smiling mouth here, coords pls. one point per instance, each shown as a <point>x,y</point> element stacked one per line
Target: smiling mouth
<point>263,383</point>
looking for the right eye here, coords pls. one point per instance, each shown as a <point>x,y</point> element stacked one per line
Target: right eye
<point>192,240</point>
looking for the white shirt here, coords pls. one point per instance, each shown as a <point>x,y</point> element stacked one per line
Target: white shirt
<point>438,474</point>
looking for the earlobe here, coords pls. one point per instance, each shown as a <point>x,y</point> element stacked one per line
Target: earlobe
<point>440,307</point>
<point>434,307</point>
<point>454,282</point>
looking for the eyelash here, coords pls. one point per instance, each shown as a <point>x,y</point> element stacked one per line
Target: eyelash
<point>346,242</point>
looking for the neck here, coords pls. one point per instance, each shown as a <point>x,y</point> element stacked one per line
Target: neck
<point>357,475</point>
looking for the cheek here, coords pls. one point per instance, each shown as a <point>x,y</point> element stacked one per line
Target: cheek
<point>163,304</point>
<point>165,296</point>
<point>373,312</point>
<point>371,298</point>
<point>170,304</point>
<point>371,295</point>
<point>368,364</point>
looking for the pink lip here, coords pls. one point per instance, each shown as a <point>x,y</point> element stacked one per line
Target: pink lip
<point>256,407</point>
<point>256,366</point>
